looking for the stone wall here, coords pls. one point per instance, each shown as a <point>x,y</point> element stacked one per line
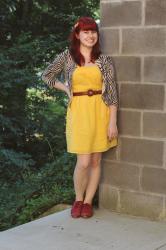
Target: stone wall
<point>133,179</point>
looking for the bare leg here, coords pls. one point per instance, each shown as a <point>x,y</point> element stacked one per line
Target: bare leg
<point>95,171</point>
<point>81,175</point>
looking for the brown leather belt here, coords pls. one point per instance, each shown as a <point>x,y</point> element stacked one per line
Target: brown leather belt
<point>89,92</point>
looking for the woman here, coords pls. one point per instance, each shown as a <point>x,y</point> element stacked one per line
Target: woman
<point>91,120</point>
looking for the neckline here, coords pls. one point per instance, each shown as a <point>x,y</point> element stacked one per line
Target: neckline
<point>86,66</point>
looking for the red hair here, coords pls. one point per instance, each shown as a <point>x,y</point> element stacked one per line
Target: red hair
<point>83,23</point>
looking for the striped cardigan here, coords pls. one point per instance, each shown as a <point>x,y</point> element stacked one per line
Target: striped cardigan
<point>64,63</point>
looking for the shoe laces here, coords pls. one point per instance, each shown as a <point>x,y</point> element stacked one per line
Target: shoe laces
<point>87,206</point>
<point>78,203</point>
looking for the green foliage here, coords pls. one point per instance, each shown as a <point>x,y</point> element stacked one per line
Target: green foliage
<point>17,162</point>
<point>26,199</point>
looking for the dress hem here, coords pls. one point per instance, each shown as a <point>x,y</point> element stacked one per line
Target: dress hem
<point>96,151</point>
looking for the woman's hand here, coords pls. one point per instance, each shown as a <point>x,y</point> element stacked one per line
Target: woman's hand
<point>70,95</point>
<point>112,131</point>
<point>68,92</point>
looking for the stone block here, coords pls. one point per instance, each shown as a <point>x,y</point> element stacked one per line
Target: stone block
<point>154,124</point>
<point>108,197</point>
<point>142,151</point>
<point>128,68</point>
<point>140,204</point>
<point>129,122</point>
<point>142,96</point>
<point>155,12</point>
<point>144,41</point>
<point>109,39</point>
<point>120,175</point>
<point>154,180</point>
<point>155,69</point>
<point>120,13</point>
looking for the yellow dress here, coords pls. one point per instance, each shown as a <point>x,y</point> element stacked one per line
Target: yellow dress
<point>87,117</point>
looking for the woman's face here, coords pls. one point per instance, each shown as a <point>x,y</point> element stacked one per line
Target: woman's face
<point>88,38</point>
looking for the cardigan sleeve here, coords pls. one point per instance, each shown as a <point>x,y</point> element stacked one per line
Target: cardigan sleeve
<point>113,88</point>
<point>49,75</point>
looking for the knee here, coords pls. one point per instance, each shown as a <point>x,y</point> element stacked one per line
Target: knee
<point>83,165</point>
<point>95,163</point>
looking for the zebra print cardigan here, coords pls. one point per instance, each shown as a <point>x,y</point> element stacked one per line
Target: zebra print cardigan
<point>64,62</point>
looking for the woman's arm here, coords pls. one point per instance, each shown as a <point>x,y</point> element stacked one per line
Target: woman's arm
<point>112,131</point>
<point>114,102</point>
<point>113,88</point>
<point>113,114</point>
<point>49,76</point>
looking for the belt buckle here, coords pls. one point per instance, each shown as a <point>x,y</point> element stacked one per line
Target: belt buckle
<point>90,92</point>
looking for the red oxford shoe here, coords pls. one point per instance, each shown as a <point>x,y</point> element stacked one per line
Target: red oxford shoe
<point>87,210</point>
<point>76,209</point>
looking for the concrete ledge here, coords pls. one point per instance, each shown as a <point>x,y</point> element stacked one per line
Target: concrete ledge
<point>105,230</point>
